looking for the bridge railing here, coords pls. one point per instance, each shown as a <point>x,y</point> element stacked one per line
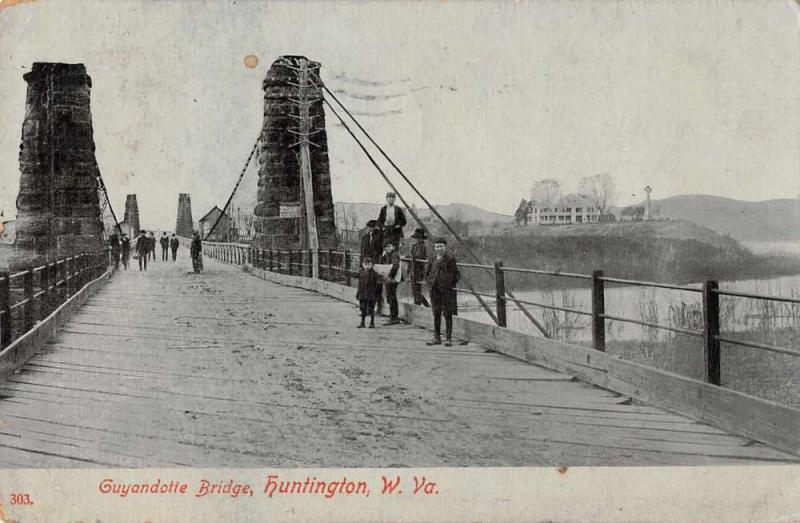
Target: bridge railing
<point>343,267</point>
<point>30,295</point>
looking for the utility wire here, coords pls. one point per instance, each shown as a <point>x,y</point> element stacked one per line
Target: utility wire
<point>244,169</point>
<point>430,206</point>
<point>408,207</point>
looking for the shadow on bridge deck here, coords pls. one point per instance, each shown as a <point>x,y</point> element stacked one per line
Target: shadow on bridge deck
<point>168,368</point>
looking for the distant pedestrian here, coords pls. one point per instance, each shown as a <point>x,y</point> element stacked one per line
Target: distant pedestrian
<point>142,249</point>
<point>369,287</point>
<point>372,242</point>
<point>116,249</point>
<point>391,220</point>
<point>173,244</point>
<point>152,243</point>
<point>442,277</point>
<point>420,253</point>
<point>125,247</point>
<point>391,257</point>
<point>164,242</point>
<point>196,251</point>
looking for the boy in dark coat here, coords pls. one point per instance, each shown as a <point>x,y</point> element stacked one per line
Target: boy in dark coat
<point>369,285</point>
<point>196,252</point>
<point>442,277</point>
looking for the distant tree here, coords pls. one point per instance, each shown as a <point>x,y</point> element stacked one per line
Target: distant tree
<point>601,189</point>
<point>522,212</point>
<point>546,191</point>
<point>634,213</point>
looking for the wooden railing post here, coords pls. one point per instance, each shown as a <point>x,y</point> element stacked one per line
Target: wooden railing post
<point>598,311</point>
<point>500,292</point>
<point>711,358</point>
<point>291,259</point>
<point>27,283</point>
<point>330,264</point>
<point>270,260</point>
<point>310,264</point>
<point>5,308</point>
<point>44,284</point>
<point>346,267</point>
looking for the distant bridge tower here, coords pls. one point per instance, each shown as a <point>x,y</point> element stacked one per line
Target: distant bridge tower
<point>295,205</point>
<point>184,225</point>
<point>58,207</point>
<point>131,224</point>
<point>647,210</point>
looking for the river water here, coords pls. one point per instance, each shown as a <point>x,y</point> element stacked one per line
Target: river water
<point>660,306</point>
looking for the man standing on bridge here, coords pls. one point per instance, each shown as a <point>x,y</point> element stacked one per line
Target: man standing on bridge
<point>391,257</point>
<point>371,242</point>
<point>142,249</point>
<point>125,245</point>
<point>442,277</point>
<point>196,251</point>
<point>391,220</point>
<point>173,244</point>
<point>164,242</point>
<point>420,254</point>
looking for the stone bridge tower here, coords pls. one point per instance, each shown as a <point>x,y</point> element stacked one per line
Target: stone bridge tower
<point>293,135</point>
<point>184,225</point>
<point>131,221</point>
<point>58,208</point>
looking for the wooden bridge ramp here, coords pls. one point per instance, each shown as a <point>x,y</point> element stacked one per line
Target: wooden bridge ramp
<point>168,368</point>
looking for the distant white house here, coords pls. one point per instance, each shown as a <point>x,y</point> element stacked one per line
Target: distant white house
<point>572,208</point>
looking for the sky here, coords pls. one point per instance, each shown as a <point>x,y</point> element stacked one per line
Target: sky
<point>474,100</point>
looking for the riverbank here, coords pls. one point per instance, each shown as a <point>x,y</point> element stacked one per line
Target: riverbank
<point>669,251</point>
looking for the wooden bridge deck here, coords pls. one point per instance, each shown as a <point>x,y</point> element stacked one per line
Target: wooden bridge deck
<point>168,368</point>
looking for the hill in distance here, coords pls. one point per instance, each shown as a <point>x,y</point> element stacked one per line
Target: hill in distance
<point>454,211</point>
<point>768,220</point>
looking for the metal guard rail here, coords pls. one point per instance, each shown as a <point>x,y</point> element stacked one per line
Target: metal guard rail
<point>287,260</point>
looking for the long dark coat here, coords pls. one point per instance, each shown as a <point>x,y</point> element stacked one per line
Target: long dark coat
<point>442,277</point>
<point>420,252</point>
<point>372,245</point>
<point>369,285</point>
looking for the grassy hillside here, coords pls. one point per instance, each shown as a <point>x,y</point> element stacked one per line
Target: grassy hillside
<point>674,251</point>
<point>764,221</point>
<point>454,211</point>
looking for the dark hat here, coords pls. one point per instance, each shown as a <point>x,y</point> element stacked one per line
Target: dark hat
<point>440,240</point>
<point>390,194</point>
<point>419,233</point>
<point>366,260</point>
<point>371,223</point>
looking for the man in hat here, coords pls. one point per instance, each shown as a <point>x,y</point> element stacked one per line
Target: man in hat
<point>164,242</point>
<point>420,254</point>
<point>391,257</point>
<point>391,220</point>
<point>371,242</point>
<point>442,278</point>
<point>174,244</point>
<point>142,249</point>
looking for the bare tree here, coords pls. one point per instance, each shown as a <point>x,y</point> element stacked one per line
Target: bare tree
<point>546,191</point>
<point>601,189</point>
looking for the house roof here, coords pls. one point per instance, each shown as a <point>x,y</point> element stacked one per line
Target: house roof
<point>215,208</point>
<point>569,200</point>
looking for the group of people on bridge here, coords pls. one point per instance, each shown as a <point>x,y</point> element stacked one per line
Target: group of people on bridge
<point>144,248</point>
<point>381,245</point>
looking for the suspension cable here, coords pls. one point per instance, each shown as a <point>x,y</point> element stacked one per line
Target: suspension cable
<point>408,207</point>
<point>430,206</point>
<point>244,169</point>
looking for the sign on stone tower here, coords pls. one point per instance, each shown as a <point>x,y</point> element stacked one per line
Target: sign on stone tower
<point>58,208</point>
<point>294,120</point>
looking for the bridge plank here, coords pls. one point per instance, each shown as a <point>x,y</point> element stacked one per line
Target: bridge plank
<point>223,369</point>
